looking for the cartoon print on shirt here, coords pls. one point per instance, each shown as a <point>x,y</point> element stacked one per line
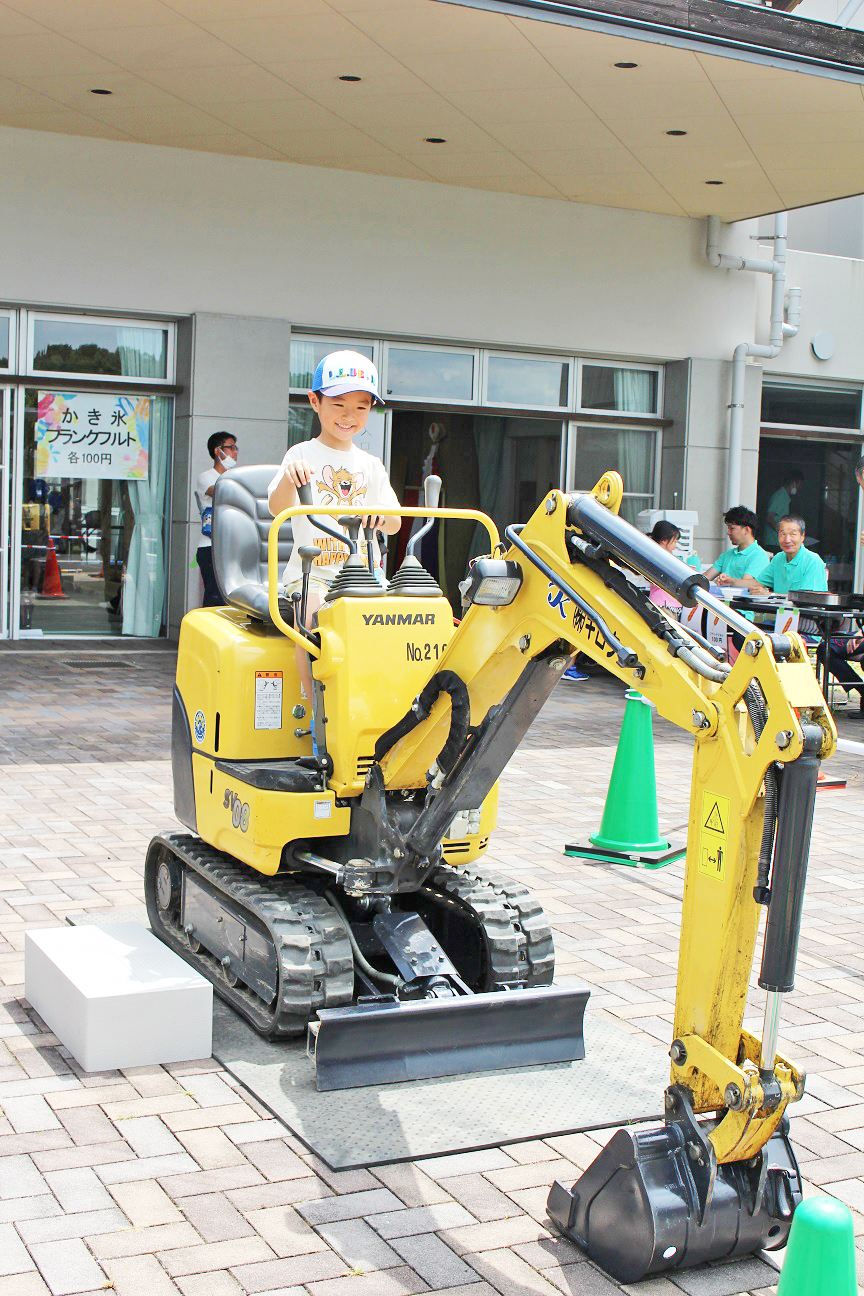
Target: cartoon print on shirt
<point>341,486</point>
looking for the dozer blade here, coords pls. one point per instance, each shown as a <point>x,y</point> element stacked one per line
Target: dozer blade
<point>384,1043</point>
<point>677,1214</point>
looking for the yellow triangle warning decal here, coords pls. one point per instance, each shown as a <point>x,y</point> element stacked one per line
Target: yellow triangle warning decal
<point>714,820</point>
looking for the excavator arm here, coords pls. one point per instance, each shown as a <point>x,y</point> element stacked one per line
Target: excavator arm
<point>760,729</point>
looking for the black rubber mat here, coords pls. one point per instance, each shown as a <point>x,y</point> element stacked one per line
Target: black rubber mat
<point>621,1079</point>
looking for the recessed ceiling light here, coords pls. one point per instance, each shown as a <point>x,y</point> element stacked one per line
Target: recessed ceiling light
<point>101,91</point>
<point>350,78</point>
<point>715,181</point>
<point>435,139</point>
<point>676,132</point>
<point>626,65</point>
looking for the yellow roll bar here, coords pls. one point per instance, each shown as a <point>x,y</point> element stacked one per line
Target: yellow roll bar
<point>337,511</point>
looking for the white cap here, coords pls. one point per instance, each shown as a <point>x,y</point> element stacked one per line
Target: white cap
<point>346,371</point>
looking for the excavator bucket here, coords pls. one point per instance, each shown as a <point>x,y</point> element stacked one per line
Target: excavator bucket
<point>681,1208</point>
<point>384,1042</point>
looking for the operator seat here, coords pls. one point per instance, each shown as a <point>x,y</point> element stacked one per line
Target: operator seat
<point>241,521</point>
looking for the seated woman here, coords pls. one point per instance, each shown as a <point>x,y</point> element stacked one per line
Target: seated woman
<point>667,536</point>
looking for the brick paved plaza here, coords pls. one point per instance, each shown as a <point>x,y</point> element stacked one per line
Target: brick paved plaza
<point>162,1180</point>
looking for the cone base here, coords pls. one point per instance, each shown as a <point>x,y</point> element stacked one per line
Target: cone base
<point>826,782</point>
<point>634,857</point>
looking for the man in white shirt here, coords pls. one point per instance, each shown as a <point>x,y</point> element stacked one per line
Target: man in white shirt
<point>222,449</point>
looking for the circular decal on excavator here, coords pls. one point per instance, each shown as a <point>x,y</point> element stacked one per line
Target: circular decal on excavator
<point>200,726</point>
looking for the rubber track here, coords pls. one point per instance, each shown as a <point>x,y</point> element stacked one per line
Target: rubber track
<point>314,958</point>
<point>518,938</point>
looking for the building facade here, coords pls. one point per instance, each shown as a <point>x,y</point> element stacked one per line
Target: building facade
<point>152,295</point>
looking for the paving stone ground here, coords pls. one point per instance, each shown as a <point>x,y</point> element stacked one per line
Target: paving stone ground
<point>159,1180</point>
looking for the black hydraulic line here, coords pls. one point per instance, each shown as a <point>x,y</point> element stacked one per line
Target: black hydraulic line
<point>446,681</point>
<point>792,847</point>
<point>626,656</point>
<point>756,709</point>
<point>632,547</point>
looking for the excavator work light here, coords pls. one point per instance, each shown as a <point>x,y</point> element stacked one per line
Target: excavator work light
<point>491,582</point>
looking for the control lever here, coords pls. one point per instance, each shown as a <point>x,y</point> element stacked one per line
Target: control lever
<point>304,496</point>
<point>431,495</point>
<point>369,537</point>
<point>308,554</point>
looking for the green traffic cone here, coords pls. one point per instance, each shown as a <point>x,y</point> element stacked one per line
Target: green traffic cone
<point>629,831</point>
<point>820,1253</point>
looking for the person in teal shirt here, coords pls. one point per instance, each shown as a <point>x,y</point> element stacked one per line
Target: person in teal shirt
<point>794,568</point>
<point>778,507</point>
<point>747,557</point>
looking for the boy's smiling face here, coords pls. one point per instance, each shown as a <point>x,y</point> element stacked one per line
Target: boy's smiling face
<point>341,417</point>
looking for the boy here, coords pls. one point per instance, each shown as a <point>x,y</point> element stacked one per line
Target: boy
<point>345,387</point>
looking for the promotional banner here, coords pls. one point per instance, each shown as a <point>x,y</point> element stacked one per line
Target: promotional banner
<point>87,435</point>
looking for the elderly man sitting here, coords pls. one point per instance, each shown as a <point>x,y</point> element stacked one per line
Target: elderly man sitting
<point>794,567</point>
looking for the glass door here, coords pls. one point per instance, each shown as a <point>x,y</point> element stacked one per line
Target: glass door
<point>816,480</point>
<point>90,513</point>
<point>5,477</point>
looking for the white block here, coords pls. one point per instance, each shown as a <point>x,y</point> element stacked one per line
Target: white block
<point>117,997</point>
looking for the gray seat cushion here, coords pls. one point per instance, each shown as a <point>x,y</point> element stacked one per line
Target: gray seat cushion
<point>241,521</point>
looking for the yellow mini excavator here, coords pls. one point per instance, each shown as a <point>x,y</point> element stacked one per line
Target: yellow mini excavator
<point>331,878</point>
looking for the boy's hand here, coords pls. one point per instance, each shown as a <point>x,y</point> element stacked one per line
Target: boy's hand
<point>299,472</point>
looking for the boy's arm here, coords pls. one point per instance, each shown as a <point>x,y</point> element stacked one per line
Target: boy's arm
<point>282,492</point>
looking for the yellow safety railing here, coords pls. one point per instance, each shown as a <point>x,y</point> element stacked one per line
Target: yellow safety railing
<point>337,511</point>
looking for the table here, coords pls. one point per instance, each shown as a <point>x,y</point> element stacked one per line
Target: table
<point>826,619</point>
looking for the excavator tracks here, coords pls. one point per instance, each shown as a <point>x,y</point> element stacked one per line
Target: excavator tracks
<point>514,949</point>
<point>286,951</point>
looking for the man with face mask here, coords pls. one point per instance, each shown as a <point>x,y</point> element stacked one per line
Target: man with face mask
<point>780,505</point>
<point>222,449</point>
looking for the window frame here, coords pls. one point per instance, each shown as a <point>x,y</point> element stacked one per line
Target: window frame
<point>616,415</point>
<point>492,353</point>
<point>383,372</point>
<point>12,359</point>
<point>53,376</point>
<point>572,439</point>
<point>798,384</point>
<point>339,343</point>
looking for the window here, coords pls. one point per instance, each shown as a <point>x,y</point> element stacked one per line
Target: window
<point>307,352</point>
<point>123,348</point>
<point>439,374</point>
<point>526,382</point>
<point>811,406</point>
<point>5,340</point>
<point>627,391</point>
<point>630,451</point>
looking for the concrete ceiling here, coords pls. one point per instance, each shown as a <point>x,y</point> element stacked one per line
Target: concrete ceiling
<point>525,106</point>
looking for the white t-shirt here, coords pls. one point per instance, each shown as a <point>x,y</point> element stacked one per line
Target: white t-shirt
<point>206,479</point>
<point>353,479</point>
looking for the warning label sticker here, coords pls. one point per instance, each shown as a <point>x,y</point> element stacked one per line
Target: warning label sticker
<point>268,699</point>
<point>713,835</point>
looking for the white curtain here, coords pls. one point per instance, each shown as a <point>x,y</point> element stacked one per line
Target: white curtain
<point>634,393</point>
<point>144,581</point>
<point>634,390</point>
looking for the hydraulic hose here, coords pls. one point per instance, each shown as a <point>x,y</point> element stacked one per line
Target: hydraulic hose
<point>442,682</point>
<point>386,978</point>
<point>698,661</point>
